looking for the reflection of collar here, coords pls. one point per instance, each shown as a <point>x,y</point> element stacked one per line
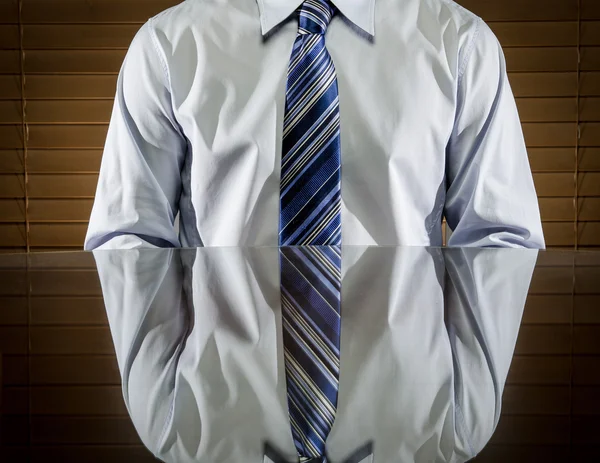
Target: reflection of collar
<point>359,12</point>
<point>356,457</point>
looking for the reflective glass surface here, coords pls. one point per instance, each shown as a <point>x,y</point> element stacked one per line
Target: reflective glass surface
<point>446,355</point>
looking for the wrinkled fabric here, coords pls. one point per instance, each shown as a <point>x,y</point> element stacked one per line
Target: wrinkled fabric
<point>429,128</point>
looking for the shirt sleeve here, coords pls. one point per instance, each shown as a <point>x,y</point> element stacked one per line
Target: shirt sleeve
<point>140,183</point>
<point>490,197</point>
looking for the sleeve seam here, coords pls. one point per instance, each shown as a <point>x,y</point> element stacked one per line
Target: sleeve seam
<point>159,54</point>
<point>469,51</point>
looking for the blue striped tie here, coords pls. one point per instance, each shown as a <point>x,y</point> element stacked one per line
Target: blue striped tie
<point>310,299</point>
<point>310,190</point>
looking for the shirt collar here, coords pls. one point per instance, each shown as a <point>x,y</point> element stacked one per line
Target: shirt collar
<point>360,12</point>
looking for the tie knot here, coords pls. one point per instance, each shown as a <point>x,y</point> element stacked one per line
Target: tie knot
<point>315,16</point>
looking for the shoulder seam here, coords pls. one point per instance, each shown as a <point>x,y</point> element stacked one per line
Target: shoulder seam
<point>159,53</point>
<point>469,50</point>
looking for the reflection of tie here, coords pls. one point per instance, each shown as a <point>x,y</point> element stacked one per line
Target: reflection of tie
<point>310,199</point>
<point>310,299</point>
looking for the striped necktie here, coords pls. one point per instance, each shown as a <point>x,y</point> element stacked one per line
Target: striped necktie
<point>310,299</point>
<point>310,190</point>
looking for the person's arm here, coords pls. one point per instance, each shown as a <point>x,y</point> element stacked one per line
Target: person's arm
<point>140,183</point>
<point>490,198</point>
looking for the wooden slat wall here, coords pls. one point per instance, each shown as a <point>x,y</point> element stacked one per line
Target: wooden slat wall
<point>73,50</point>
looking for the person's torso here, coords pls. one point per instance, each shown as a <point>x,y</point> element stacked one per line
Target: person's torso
<point>397,96</point>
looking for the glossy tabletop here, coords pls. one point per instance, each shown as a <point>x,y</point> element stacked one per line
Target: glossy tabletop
<point>177,355</point>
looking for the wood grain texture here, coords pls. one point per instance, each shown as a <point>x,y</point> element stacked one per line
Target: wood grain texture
<point>71,86</point>
<point>92,11</point>
<point>10,87</point>
<point>9,37</point>
<point>9,11</point>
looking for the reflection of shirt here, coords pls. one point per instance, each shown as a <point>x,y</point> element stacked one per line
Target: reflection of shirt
<point>428,126</point>
<point>427,339</point>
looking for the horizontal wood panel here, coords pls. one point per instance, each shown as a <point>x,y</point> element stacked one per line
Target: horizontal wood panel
<point>552,430</point>
<point>92,454</point>
<point>9,11</point>
<point>589,183</point>
<point>78,35</point>
<point>557,209</point>
<point>590,58</point>
<point>59,11</point>
<point>75,370</point>
<point>57,235</point>
<point>60,209</point>
<point>12,235</point>
<point>586,340</point>
<point>12,210</point>
<point>68,311</point>
<point>589,234</point>
<point>589,159</point>
<point>589,209</point>
<point>13,340</point>
<point>65,111</point>
<point>586,280</point>
<point>69,400</point>
<point>527,59</point>
<point>586,370</point>
<point>547,309</point>
<point>50,340</point>
<point>10,86</point>
<point>15,370</point>
<point>587,309</point>
<point>56,160</point>
<point>11,161</point>
<point>586,400</point>
<point>9,37</point>
<point>13,262</point>
<point>60,185</point>
<point>537,34</point>
<point>525,454</point>
<point>522,10</point>
<point>559,233</point>
<point>590,83</point>
<point>551,280</point>
<point>589,110</point>
<point>11,136</point>
<point>550,184</point>
<point>546,370</point>
<point>548,84</point>
<point>10,112</point>
<point>9,62</point>
<point>65,283</point>
<point>13,310</point>
<point>62,261</point>
<point>552,339</point>
<point>536,400</point>
<point>590,9</point>
<point>590,33</point>
<point>67,136</point>
<point>551,159</point>
<point>550,134</point>
<point>586,430</point>
<point>70,86</point>
<point>554,109</point>
<point>71,61</point>
<point>83,430</point>
<point>590,134</point>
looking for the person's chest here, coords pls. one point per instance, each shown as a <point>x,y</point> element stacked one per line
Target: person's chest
<point>396,92</point>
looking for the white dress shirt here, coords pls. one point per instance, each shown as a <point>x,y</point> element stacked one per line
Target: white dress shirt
<point>429,127</point>
<point>426,344</point>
